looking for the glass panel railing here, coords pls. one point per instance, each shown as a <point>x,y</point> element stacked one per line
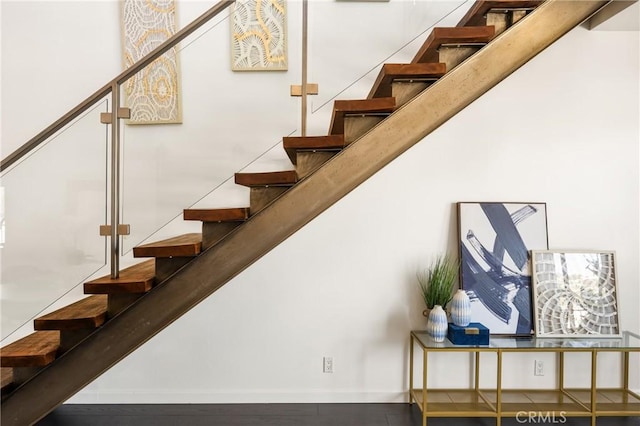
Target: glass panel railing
<point>228,119</point>
<point>349,42</point>
<point>231,121</point>
<point>235,121</point>
<point>54,202</point>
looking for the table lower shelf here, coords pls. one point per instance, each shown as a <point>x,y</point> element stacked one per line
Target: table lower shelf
<point>454,403</point>
<point>484,403</point>
<point>609,402</point>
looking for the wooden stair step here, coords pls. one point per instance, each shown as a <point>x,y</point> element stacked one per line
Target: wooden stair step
<point>284,178</point>
<point>266,187</point>
<point>138,278</point>
<point>35,350</point>
<point>293,144</point>
<point>88,313</point>
<point>358,107</point>
<point>188,245</point>
<point>477,14</point>
<point>239,214</point>
<point>217,223</point>
<point>390,72</point>
<point>451,35</point>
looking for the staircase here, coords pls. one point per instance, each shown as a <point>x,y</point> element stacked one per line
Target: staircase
<point>73,345</point>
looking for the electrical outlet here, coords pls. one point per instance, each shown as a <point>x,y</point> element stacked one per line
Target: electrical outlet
<point>327,364</point>
<point>538,369</point>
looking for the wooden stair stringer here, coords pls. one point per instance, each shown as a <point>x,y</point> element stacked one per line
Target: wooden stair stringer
<point>297,207</point>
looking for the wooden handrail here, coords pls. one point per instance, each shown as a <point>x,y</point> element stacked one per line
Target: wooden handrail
<point>106,89</point>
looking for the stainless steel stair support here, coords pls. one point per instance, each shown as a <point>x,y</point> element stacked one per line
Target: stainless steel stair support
<point>303,128</point>
<point>115,180</point>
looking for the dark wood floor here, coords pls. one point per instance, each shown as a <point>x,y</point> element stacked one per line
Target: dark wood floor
<point>278,415</point>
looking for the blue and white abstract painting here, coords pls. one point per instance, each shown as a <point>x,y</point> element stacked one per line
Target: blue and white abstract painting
<point>495,240</point>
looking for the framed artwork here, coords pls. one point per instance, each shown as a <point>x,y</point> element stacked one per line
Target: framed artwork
<point>495,239</point>
<point>153,94</point>
<point>575,294</point>
<point>259,35</point>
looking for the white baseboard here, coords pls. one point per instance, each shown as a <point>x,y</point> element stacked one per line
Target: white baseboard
<point>154,396</point>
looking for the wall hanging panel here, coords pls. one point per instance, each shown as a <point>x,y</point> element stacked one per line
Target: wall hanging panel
<point>258,35</point>
<point>153,94</point>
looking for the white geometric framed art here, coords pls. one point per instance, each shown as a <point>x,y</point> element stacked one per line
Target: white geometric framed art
<point>575,293</point>
<point>153,94</point>
<point>259,35</point>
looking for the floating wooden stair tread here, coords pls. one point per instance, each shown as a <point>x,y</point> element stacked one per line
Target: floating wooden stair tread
<point>239,214</point>
<point>6,379</point>
<point>36,350</point>
<point>285,178</point>
<point>188,245</point>
<point>293,144</point>
<point>355,107</point>
<point>390,72</point>
<point>88,313</point>
<point>454,35</point>
<point>138,278</point>
<point>476,15</point>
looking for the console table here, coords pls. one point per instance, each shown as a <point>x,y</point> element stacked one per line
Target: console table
<point>551,404</point>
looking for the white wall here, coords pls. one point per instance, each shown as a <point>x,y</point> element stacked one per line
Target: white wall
<point>344,285</point>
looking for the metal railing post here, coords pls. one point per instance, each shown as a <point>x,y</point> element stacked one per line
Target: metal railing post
<point>303,127</point>
<point>115,180</point>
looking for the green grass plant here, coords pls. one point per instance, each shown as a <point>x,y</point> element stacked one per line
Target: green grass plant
<point>438,281</point>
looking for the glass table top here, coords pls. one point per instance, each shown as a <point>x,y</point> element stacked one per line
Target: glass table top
<point>627,340</point>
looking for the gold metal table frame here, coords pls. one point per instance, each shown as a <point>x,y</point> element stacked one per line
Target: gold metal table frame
<point>527,405</point>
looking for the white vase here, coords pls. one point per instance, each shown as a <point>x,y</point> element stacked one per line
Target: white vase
<point>461,309</point>
<point>437,325</point>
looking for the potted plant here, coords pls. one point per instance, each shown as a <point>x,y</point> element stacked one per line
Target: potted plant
<point>436,285</point>
<point>438,281</point>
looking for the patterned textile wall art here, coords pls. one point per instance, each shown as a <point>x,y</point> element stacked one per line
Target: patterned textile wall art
<point>153,94</point>
<point>259,35</point>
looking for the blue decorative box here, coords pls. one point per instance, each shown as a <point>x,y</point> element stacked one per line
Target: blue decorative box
<point>473,334</point>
